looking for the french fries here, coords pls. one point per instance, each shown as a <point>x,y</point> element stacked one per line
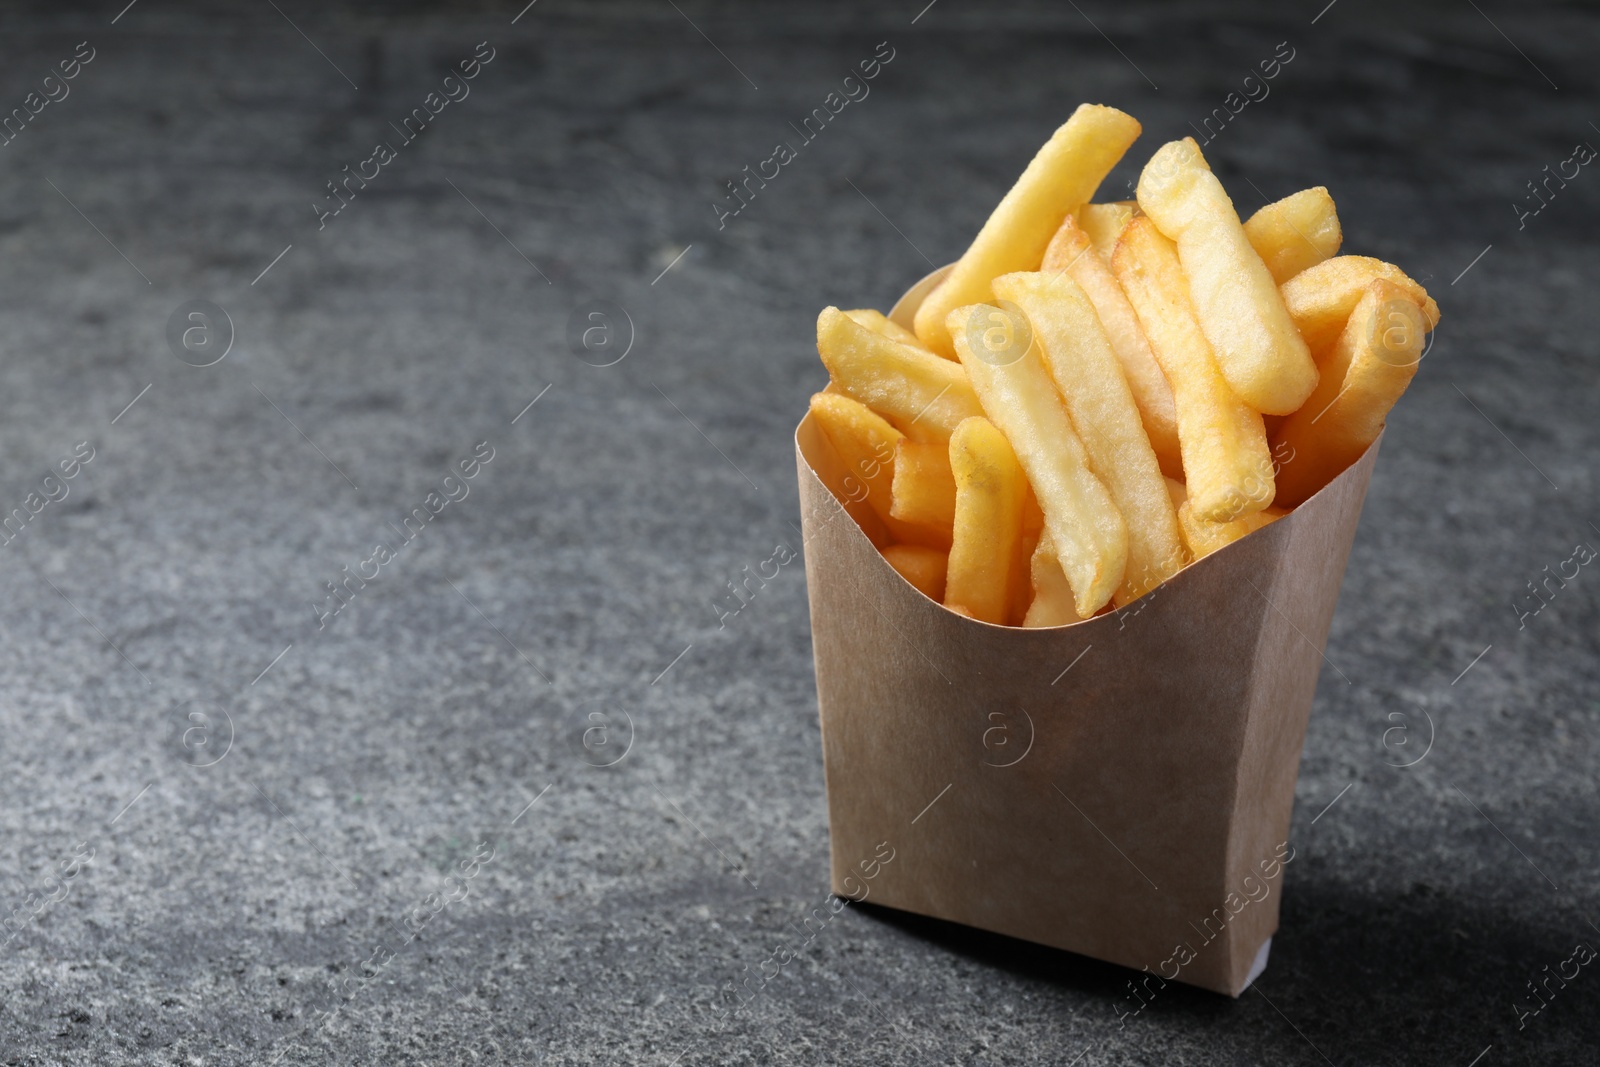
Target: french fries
<point>1370,366</point>
<point>923,492</point>
<point>1203,538</point>
<point>1227,466</point>
<point>990,492</point>
<point>1062,176</point>
<point>1017,392</point>
<point>923,567</point>
<point>1067,253</point>
<point>1100,404</point>
<point>1053,603</point>
<point>1103,224</point>
<point>1295,233</point>
<point>924,396</point>
<point>879,323</point>
<point>867,444</point>
<point>1086,403</point>
<point>1236,302</point>
<point>1022,560</point>
<point>864,441</point>
<point>1321,298</point>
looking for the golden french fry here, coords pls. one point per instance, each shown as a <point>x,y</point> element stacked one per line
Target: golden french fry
<point>1235,300</point>
<point>1374,360</point>
<point>844,483</point>
<point>1068,252</point>
<point>864,441</point>
<point>924,490</point>
<point>1064,174</point>
<point>1021,559</point>
<point>1101,406</point>
<point>990,491</point>
<point>1295,233</point>
<point>1321,298</point>
<point>879,323</point>
<point>867,445</point>
<point>1020,398</point>
<point>925,396</point>
<point>1204,538</point>
<point>923,567</point>
<point>1052,603</point>
<point>1103,224</point>
<point>1227,466</point>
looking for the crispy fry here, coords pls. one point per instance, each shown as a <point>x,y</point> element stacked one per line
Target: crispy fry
<point>1203,538</point>
<point>1103,224</point>
<point>1227,467</point>
<point>1103,412</point>
<point>1090,535</point>
<point>1052,603</point>
<point>864,441</point>
<point>1021,559</point>
<point>1321,298</point>
<point>990,490</point>
<point>923,567</point>
<point>1295,233</point>
<point>924,396</point>
<point>842,482</point>
<point>1063,175</point>
<point>1370,366</point>
<point>924,490</point>
<point>879,323</point>
<point>867,445</point>
<point>1235,300</point>
<point>1068,253</point>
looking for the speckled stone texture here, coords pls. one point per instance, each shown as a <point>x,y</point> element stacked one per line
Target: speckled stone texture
<point>238,828</point>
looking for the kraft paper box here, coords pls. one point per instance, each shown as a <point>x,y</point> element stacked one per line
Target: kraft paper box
<point>1120,787</point>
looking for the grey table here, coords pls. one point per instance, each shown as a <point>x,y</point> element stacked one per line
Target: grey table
<point>227,808</point>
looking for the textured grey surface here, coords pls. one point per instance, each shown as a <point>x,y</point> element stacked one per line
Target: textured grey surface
<point>229,902</point>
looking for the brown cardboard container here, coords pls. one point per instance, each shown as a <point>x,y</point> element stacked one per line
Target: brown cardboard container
<point>1120,787</point>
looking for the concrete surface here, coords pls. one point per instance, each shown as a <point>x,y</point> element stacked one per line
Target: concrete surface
<point>221,819</point>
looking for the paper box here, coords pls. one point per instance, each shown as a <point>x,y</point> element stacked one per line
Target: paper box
<point>1120,787</point>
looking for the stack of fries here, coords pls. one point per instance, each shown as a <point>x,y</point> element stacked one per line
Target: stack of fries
<point>1097,395</point>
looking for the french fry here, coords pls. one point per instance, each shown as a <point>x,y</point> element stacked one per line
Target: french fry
<point>924,396</point>
<point>1295,233</point>
<point>1068,252</point>
<point>864,441</point>
<point>924,490</point>
<point>1321,298</point>
<point>923,567</point>
<point>1373,361</point>
<point>1021,559</point>
<point>1020,398</point>
<point>990,491</point>
<point>879,323</point>
<point>1102,409</point>
<point>1235,300</point>
<point>867,444</point>
<point>1103,223</point>
<point>1227,467</point>
<point>1063,175</point>
<point>1052,603</point>
<point>845,484</point>
<point>1203,538</point>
